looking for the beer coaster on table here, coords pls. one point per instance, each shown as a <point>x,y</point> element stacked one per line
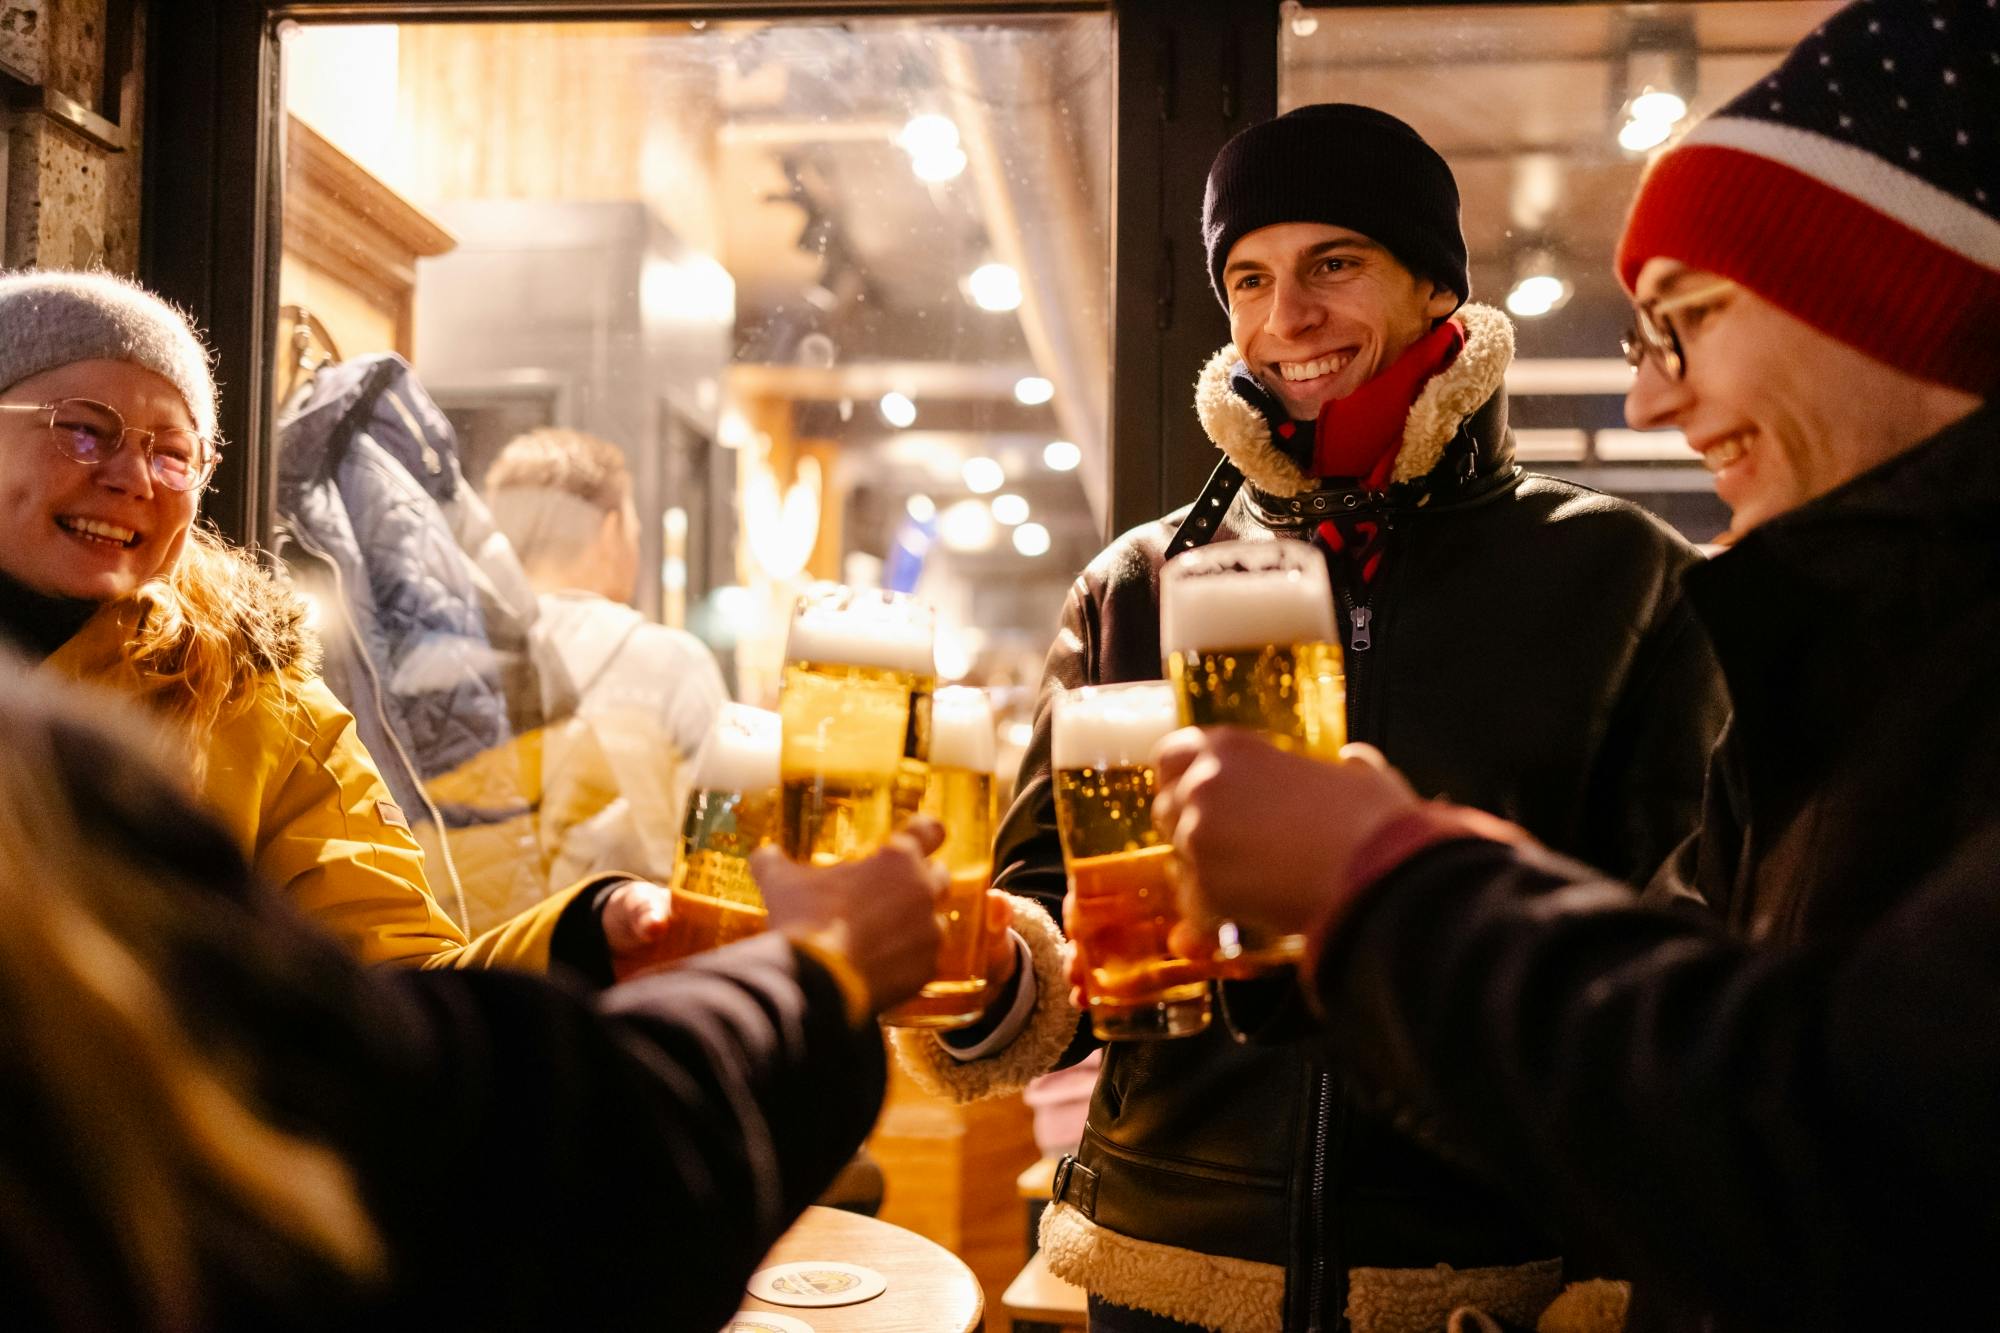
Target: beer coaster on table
<point>817,1282</point>
<point>763,1321</point>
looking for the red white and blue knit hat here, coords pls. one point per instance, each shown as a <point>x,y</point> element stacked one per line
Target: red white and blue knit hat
<point>1855,188</point>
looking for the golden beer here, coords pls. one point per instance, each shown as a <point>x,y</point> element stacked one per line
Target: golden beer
<point>959,795</point>
<point>1295,693</point>
<point>715,900</point>
<point>732,811</point>
<point>1248,632</point>
<point>1122,908</point>
<point>855,704</point>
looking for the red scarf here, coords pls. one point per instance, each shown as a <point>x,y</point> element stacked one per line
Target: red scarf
<point>1360,435</point>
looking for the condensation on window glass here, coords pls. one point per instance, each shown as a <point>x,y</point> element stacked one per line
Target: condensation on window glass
<point>1547,114</point>
<point>684,316</point>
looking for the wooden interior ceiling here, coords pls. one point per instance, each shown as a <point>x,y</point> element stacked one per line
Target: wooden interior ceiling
<point>1525,102</point>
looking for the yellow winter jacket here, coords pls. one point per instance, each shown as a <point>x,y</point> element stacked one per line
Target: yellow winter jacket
<point>289,778</point>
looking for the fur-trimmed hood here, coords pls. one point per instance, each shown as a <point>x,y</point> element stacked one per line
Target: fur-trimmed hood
<point>267,622</point>
<point>1238,429</point>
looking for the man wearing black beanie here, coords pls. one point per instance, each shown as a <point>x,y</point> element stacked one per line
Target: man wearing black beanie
<point>1513,640</point>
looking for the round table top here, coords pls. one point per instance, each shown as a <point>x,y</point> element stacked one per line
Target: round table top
<point>929,1289</point>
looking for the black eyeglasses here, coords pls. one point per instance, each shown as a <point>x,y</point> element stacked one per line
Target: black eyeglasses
<point>1653,333</point>
<point>91,432</point>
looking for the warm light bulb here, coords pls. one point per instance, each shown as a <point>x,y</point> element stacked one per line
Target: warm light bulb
<point>1537,295</point>
<point>898,410</point>
<point>983,476</point>
<point>1031,539</point>
<point>920,508</point>
<point>1640,135</point>
<point>943,165</point>
<point>1061,456</point>
<point>1033,390</point>
<point>967,526</point>
<point>928,134</point>
<point>995,287</point>
<point>1659,106</point>
<point>1010,509</point>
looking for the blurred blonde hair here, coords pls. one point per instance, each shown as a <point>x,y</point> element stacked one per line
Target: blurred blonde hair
<point>88,932</point>
<point>213,624</point>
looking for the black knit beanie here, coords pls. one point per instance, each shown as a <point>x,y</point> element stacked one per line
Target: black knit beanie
<point>1346,166</point>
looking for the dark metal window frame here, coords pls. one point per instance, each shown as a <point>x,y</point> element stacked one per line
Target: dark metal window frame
<point>1188,74</point>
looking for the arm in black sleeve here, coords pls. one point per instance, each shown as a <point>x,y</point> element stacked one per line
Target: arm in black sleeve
<point>1647,778</point>
<point>1798,1137</point>
<point>631,1157</point>
<point>1027,851</point>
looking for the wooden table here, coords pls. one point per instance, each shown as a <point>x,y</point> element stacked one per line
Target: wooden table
<point>930,1291</point>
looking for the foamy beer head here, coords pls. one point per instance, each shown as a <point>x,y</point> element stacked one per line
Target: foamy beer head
<point>866,628</point>
<point>962,729</point>
<point>1248,633</point>
<point>741,752</point>
<point>855,710</point>
<point>1245,595</point>
<point>1111,726</point>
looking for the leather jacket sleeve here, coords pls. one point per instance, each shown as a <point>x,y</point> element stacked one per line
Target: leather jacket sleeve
<point>1791,1136</point>
<point>1027,853</point>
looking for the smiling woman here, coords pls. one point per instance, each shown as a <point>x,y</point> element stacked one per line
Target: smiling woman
<point>107,438</point>
<point>86,517</point>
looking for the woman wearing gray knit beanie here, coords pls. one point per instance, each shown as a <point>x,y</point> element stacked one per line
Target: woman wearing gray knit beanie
<point>107,439</point>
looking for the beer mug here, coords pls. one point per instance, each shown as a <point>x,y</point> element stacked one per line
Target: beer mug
<point>1122,907</point>
<point>731,812</point>
<point>855,704</point>
<point>1248,632</point>
<point>959,795</point>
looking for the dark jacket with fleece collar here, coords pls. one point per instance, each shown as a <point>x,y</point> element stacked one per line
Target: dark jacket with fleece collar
<point>1525,649</point>
<point>1785,1121</point>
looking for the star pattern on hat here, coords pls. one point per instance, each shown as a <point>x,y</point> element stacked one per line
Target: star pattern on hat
<point>1918,92</point>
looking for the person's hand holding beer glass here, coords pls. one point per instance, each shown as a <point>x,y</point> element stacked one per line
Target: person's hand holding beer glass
<point>1121,910</point>
<point>959,795</point>
<point>877,914</point>
<point>731,812</point>
<point>1268,835</point>
<point>856,705</point>
<point>1248,632</point>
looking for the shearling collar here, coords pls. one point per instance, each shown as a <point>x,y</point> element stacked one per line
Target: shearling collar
<point>1240,431</point>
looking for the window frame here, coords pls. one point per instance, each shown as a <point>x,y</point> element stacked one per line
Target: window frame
<point>1187,74</point>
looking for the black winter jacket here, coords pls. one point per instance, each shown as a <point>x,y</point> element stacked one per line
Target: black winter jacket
<point>1525,649</point>
<point>533,1158</point>
<point>1789,1125</point>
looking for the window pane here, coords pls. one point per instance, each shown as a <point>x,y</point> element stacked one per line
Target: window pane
<point>1538,109</point>
<point>834,294</point>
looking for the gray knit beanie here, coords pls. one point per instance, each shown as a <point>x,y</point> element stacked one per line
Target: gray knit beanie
<point>50,319</point>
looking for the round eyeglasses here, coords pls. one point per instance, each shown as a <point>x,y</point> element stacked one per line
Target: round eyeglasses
<point>1653,333</point>
<point>90,432</point>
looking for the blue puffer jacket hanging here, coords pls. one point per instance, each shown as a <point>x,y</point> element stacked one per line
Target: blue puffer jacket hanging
<point>383,528</point>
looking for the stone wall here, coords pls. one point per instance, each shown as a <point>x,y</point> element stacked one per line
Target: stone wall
<point>71,202</point>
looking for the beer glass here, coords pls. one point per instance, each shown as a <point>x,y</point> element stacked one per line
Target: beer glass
<point>1248,633</point>
<point>959,795</point>
<point>731,812</point>
<point>1122,907</point>
<point>855,704</point>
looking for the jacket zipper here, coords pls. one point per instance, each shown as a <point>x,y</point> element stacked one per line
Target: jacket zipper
<point>1360,618</point>
<point>1322,1125</point>
<point>1358,640</point>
